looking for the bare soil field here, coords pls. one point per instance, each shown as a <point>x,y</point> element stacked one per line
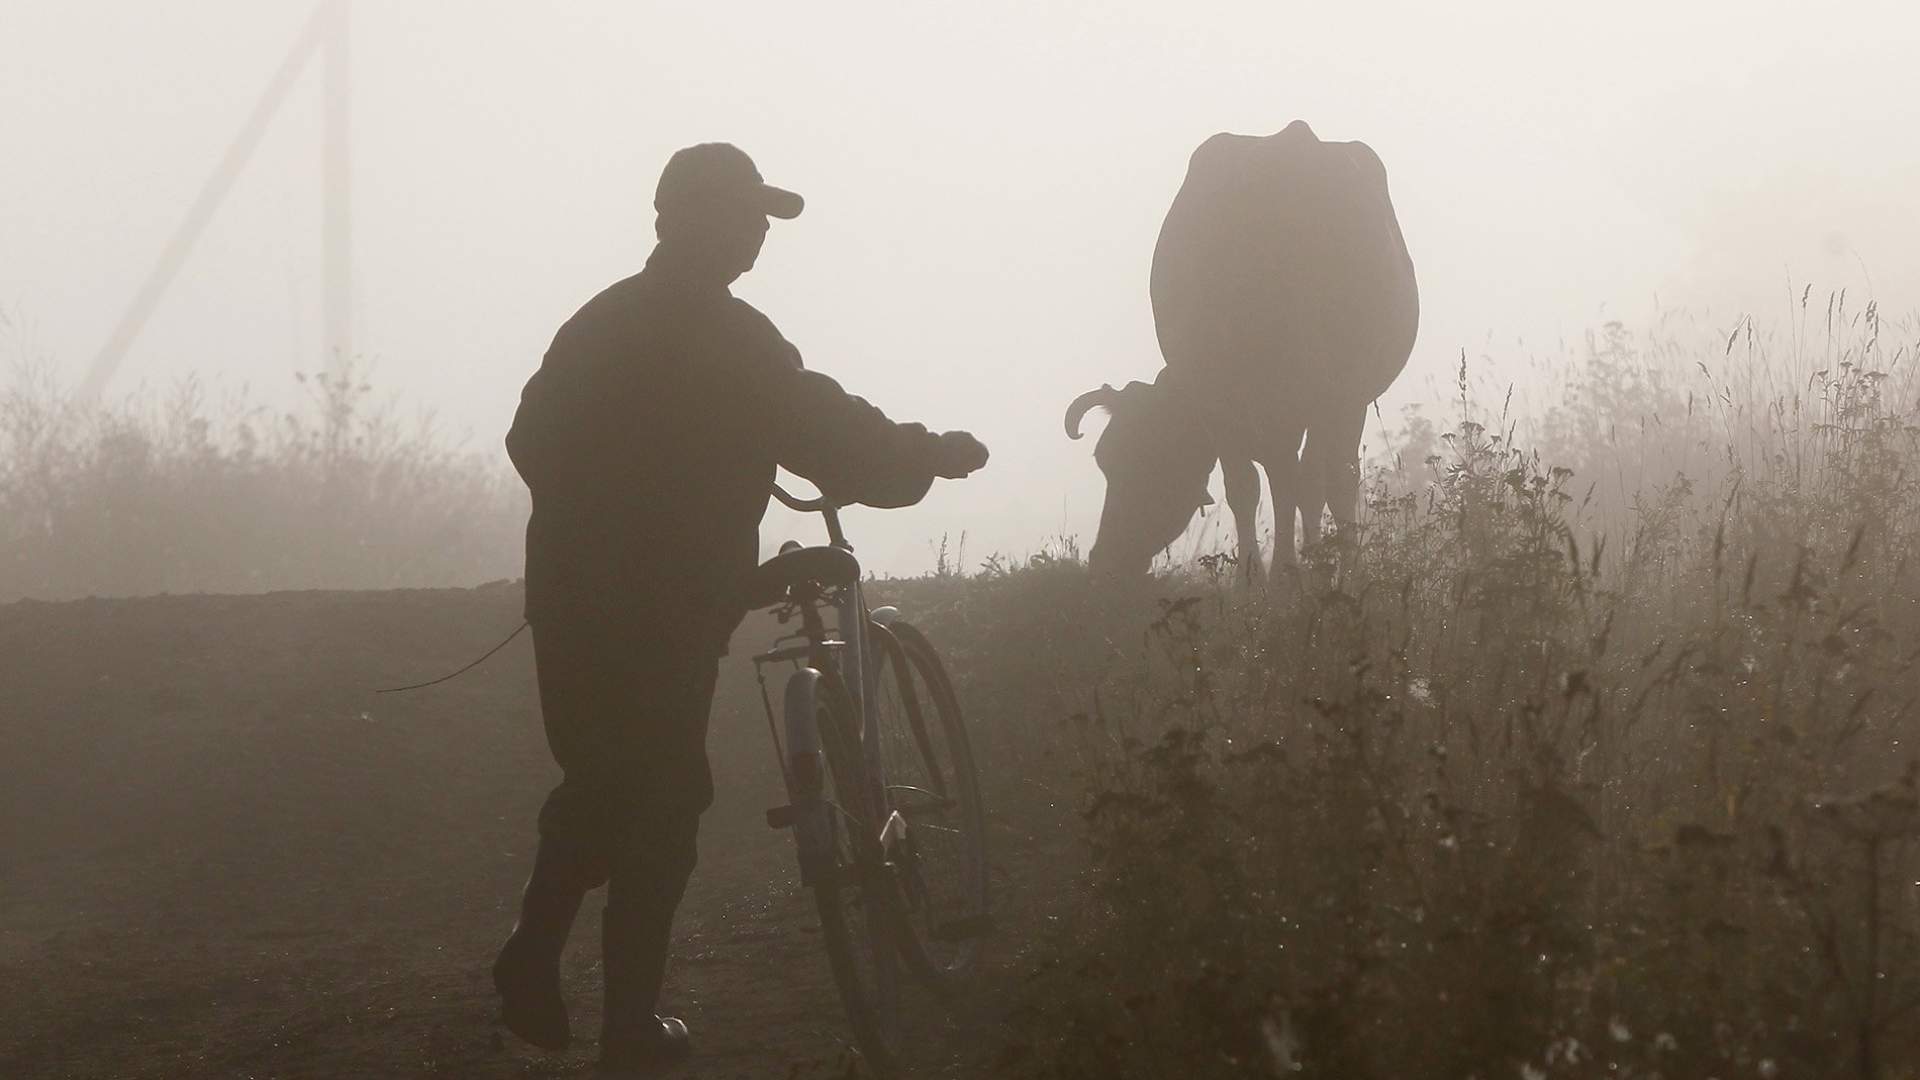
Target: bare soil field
<point>223,855</point>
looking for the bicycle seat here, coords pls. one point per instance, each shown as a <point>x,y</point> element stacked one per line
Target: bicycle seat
<point>827,566</point>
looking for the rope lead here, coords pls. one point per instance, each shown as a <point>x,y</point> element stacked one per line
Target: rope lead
<point>476,663</point>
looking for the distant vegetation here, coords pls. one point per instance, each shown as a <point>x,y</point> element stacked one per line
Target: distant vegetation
<point>1558,777</point>
<point>184,494</point>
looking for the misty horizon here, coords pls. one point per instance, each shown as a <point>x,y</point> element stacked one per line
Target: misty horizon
<point>983,194</point>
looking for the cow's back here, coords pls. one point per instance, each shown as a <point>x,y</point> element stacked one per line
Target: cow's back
<point>1280,280</point>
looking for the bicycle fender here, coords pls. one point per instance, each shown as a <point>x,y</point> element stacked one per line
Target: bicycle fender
<point>802,699</point>
<point>806,767</point>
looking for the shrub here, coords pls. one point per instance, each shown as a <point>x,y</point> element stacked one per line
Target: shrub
<point>180,497</point>
<point>1512,782</point>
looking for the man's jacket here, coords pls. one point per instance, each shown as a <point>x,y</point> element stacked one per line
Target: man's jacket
<point>649,439</point>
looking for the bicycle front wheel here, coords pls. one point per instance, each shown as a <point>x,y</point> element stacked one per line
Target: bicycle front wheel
<point>853,889</point>
<point>931,780</point>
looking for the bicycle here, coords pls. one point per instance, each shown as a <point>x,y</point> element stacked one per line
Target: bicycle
<point>886,814</point>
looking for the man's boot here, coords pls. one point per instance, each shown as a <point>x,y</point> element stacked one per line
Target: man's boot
<point>635,1041</point>
<point>527,972</point>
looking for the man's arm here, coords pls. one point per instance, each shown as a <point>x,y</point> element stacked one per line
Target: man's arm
<point>847,447</point>
<point>529,442</point>
<point>558,414</point>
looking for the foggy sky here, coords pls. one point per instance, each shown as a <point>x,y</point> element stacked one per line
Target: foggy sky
<point>984,183</point>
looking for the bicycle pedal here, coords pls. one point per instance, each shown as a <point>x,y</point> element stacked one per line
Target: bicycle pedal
<point>972,926</point>
<point>894,831</point>
<point>782,817</point>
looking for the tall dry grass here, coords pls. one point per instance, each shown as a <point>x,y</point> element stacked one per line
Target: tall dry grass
<point>1522,777</point>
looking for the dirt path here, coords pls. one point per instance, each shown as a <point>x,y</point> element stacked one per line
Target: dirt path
<point>225,857</point>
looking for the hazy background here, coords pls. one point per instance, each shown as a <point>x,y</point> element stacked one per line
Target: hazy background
<point>984,186</point>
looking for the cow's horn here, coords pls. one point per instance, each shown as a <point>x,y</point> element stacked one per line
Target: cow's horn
<point>1103,398</point>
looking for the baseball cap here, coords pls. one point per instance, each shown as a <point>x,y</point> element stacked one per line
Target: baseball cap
<point>720,172</point>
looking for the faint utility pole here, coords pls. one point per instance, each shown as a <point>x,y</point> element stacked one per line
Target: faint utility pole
<point>336,194</point>
<point>326,33</point>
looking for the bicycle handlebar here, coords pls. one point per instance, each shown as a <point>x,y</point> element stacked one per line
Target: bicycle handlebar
<point>823,506</point>
<point>793,502</point>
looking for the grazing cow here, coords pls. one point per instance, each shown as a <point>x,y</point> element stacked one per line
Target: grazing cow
<point>1285,304</point>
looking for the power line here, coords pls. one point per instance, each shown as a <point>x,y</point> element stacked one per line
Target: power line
<point>327,29</point>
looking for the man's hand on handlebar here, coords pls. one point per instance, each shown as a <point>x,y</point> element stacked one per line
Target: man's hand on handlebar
<point>959,454</point>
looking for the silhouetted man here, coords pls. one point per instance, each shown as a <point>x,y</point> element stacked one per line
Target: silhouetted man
<point>649,439</point>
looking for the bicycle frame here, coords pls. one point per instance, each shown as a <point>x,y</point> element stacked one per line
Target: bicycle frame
<point>850,657</point>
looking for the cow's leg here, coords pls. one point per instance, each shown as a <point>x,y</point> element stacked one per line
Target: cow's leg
<point>1243,498</point>
<point>1332,456</point>
<point>1282,462</point>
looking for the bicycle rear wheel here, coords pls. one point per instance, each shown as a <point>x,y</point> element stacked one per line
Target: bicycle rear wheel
<point>932,781</point>
<point>853,889</point>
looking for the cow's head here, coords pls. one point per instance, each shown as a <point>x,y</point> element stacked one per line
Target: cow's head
<point>1157,457</point>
